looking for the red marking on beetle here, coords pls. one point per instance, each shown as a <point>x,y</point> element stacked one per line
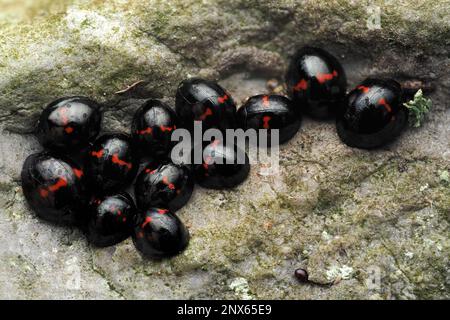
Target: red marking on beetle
<point>223,98</point>
<point>97,154</point>
<point>145,131</point>
<point>164,128</point>
<point>77,172</point>
<point>301,85</point>
<point>266,120</point>
<point>140,234</point>
<point>363,89</point>
<point>115,159</point>
<point>146,221</point>
<point>265,101</point>
<point>43,193</point>
<point>119,212</point>
<point>61,183</point>
<point>207,113</point>
<point>383,102</point>
<point>162,211</point>
<point>124,219</point>
<point>69,130</point>
<point>150,171</point>
<point>323,77</point>
<point>165,180</point>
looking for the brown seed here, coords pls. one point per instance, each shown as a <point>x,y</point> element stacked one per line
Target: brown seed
<point>301,275</point>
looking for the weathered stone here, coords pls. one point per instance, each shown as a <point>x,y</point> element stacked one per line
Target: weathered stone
<point>374,222</point>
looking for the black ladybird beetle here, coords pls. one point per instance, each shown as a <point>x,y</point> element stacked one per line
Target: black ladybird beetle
<point>270,112</point>
<point>223,166</point>
<point>111,163</point>
<point>152,127</point>
<point>166,186</point>
<point>69,123</point>
<point>373,114</point>
<point>206,101</point>
<point>111,219</point>
<point>316,82</point>
<point>53,187</point>
<point>159,233</point>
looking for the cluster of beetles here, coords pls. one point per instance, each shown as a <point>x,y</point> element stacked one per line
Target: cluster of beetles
<point>88,180</point>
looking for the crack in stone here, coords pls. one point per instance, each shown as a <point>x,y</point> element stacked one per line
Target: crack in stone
<point>103,275</point>
<point>394,257</point>
<point>162,41</point>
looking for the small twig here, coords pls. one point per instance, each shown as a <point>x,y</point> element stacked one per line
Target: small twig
<point>132,86</point>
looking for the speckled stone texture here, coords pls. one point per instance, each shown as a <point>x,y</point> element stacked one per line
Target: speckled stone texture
<point>375,223</point>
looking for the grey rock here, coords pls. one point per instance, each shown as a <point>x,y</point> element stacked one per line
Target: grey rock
<point>376,223</point>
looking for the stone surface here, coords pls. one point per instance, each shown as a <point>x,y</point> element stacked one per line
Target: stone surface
<point>375,223</point>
